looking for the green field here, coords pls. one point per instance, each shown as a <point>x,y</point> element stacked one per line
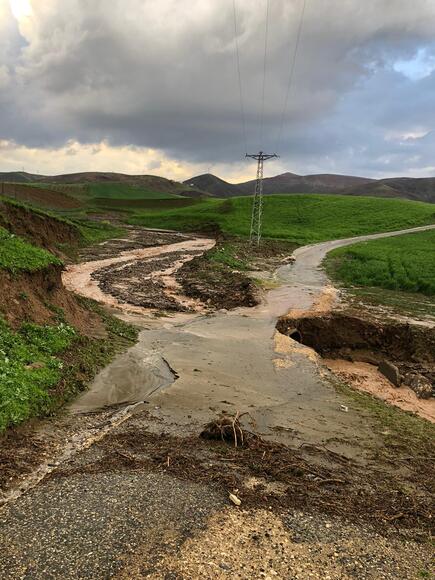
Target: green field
<point>298,218</point>
<point>124,191</point>
<point>110,190</point>
<point>404,263</point>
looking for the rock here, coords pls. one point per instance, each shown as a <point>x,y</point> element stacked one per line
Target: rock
<point>234,499</point>
<point>391,372</point>
<point>35,365</point>
<point>422,386</point>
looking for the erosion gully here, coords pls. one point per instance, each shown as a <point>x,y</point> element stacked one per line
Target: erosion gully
<point>187,367</point>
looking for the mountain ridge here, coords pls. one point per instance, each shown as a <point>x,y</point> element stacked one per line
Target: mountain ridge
<point>413,188</point>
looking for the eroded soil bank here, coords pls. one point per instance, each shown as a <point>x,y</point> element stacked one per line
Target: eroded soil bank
<point>395,356</point>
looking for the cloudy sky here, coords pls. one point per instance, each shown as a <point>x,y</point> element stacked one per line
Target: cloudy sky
<point>151,86</point>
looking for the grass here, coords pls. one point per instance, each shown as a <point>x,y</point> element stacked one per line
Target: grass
<point>396,301</point>
<point>298,218</point>
<point>41,367</point>
<point>94,232</point>
<point>405,263</point>
<point>125,191</point>
<point>18,255</point>
<point>227,254</point>
<point>29,367</point>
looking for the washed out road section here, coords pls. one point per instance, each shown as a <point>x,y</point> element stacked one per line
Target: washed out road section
<point>228,362</point>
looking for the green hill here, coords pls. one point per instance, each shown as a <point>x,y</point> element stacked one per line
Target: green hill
<point>299,218</point>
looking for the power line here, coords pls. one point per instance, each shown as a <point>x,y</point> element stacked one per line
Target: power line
<point>236,44</point>
<point>266,34</point>
<point>291,73</point>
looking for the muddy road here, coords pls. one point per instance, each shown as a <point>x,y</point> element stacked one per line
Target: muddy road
<point>189,366</point>
<point>138,494</point>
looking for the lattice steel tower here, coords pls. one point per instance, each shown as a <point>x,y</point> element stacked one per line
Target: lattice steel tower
<point>257,205</point>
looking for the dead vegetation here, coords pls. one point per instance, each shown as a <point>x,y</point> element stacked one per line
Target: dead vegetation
<point>228,429</point>
<point>313,478</point>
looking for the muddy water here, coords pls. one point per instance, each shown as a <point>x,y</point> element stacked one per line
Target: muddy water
<point>232,361</point>
<point>78,277</point>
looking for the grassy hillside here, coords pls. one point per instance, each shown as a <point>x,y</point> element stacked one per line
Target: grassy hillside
<point>298,218</point>
<point>400,263</point>
<point>18,255</point>
<point>122,191</point>
<point>50,230</point>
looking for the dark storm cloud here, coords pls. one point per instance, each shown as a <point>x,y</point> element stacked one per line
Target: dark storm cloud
<point>163,75</point>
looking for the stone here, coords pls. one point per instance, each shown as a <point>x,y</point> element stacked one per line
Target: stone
<point>421,385</point>
<point>35,365</point>
<point>391,372</point>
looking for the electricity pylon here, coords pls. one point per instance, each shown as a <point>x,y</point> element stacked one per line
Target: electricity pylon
<point>257,205</point>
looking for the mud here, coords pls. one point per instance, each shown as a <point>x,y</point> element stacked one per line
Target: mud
<point>357,338</point>
<point>142,282</point>
<point>135,238</point>
<point>366,377</point>
<point>217,287</point>
<point>129,280</point>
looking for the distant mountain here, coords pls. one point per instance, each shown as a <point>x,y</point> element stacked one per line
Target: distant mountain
<point>292,183</point>
<point>417,189</point>
<point>214,185</point>
<point>19,176</point>
<point>151,182</point>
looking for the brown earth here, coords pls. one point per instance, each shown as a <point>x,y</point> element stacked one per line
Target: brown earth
<point>46,198</point>
<point>221,286</point>
<point>356,347</point>
<point>354,337</point>
<point>340,332</point>
<point>38,296</point>
<point>39,229</point>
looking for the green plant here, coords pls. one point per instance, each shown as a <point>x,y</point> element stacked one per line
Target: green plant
<point>29,368</point>
<point>17,255</point>
<point>404,263</point>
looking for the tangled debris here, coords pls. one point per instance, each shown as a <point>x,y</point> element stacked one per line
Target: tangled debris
<point>309,478</point>
<point>227,429</point>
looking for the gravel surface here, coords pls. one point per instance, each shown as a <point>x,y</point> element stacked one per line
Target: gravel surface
<point>84,527</point>
<point>259,544</point>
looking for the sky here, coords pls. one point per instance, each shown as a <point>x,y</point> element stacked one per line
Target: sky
<point>147,86</point>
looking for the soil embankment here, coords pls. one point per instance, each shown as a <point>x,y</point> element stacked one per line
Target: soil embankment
<point>40,229</point>
<point>39,297</point>
<point>392,360</point>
